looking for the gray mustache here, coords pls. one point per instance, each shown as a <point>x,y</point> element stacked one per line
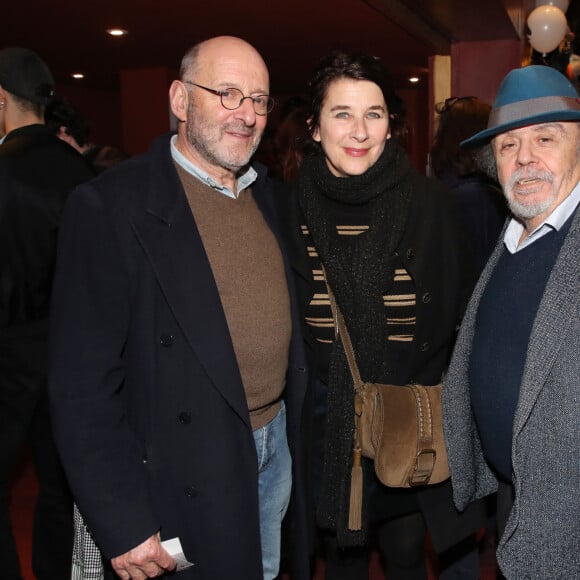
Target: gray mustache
<point>527,173</point>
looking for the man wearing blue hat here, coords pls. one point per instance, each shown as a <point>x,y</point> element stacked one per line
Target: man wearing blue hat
<point>512,393</point>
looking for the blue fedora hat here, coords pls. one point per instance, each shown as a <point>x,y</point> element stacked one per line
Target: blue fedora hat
<point>528,96</point>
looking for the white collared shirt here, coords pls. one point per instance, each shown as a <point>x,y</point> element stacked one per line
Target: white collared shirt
<point>554,221</point>
<point>243,182</point>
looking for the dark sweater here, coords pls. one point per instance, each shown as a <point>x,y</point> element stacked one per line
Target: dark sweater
<point>504,323</point>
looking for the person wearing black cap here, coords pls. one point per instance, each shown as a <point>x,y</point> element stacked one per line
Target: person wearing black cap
<point>511,399</point>
<point>37,171</point>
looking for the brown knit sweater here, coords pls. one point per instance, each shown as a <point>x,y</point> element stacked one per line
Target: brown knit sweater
<point>249,272</point>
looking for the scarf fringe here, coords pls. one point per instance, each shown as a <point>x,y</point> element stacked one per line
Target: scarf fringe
<point>356,492</point>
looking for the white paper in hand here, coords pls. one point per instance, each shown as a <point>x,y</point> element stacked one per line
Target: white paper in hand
<point>173,547</point>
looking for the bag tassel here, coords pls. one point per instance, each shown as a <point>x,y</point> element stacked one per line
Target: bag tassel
<point>356,492</point>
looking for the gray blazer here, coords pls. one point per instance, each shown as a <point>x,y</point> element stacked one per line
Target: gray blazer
<point>542,536</point>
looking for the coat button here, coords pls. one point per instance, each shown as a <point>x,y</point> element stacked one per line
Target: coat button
<point>410,254</point>
<point>190,491</point>
<point>301,369</point>
<point>185,418</point>
<point>166,339</point>
<point>425,346</point>
<point>426,297</point>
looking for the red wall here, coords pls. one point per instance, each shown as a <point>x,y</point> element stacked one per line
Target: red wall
<point>417,121</point>
<point>477,68</point>
<point>144,106</point>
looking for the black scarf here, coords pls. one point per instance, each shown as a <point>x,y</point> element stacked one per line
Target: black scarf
<point>360,271</point>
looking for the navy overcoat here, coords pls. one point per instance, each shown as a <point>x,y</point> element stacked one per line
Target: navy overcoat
<point>149,408</point>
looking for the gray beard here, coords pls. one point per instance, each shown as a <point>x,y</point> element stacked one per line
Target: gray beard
<point>208,150</point>
<point>526,211</point>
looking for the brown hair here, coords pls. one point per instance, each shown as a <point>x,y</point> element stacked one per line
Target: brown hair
<point>459,118</point>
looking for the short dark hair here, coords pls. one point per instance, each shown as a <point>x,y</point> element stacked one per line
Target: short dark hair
<point>459,118</point>
<point>344,64</point>
<point>26,106</point>
<point>61,112</point>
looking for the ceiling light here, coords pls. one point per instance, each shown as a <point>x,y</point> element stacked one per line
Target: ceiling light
<point>77,75</point>
<point>117,32</point>
<point>414,79</point>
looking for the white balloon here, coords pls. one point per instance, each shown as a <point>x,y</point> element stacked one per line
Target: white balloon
<point>561,4</point>
<point>547,26</point>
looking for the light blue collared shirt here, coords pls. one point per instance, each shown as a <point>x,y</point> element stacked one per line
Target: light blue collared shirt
<point>554,221</point>
<point>243,182</point>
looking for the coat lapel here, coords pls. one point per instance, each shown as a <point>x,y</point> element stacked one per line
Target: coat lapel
<point>169,236</point>
<point>554,316</point>
<point>264,195</point>
<point>289,210</point>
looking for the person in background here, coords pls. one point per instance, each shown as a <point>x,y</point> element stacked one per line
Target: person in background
<point>178,397</point>
<point>67,123</point>
<point>390,243</point>
<point>482,205</point>
<point>511,396</point>
<point>292,142</point>
<point>37,172</point>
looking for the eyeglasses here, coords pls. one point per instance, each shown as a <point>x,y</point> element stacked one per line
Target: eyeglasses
<point>448,104</point>
<point>233,99</point>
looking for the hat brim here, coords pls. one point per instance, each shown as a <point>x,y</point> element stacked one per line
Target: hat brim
<point>486,135</point>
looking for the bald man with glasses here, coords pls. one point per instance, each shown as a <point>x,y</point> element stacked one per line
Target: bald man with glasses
<point>178,368</point>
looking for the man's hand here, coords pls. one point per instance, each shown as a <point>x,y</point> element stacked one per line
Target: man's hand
<point>147,560</point>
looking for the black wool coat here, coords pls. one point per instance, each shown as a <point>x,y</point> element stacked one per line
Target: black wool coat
<point>37,173</point>
<point>149,408</point>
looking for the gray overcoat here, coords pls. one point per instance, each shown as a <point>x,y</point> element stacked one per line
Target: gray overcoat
<point>542,535</point>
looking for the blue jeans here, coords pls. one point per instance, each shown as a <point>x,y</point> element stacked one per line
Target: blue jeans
<point>274,486</point>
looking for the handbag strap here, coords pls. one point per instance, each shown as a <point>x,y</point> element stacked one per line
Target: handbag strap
<point>343,332</point>
<point>426,456</point>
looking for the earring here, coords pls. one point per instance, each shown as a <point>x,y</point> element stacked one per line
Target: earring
<point>2,103</point>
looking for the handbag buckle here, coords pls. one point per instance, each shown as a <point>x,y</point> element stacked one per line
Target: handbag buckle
<point>424,465</point>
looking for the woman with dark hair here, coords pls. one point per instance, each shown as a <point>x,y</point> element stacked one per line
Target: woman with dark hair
<point>480,197</point>
<point>389,243</point>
